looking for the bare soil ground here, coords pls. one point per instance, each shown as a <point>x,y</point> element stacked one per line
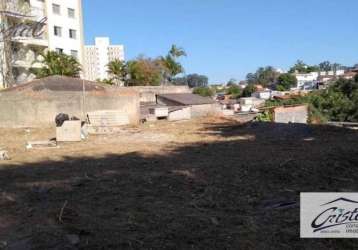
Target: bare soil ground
<point>202,184</point>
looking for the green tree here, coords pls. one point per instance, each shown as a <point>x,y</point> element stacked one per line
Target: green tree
<point>286,82</point>
<point>231,82</point>
<point>177,52</point>
<point>144,71</point>
<point>192,80</point>
<point>303,68</point>
<point>325,66</point>
<point>118,71</point>
<point>251,78</point>
<point>248,90</point>
<point>264,76</point>
<point>196,80</point>
<point>171,66</point>
<point>57,64</point>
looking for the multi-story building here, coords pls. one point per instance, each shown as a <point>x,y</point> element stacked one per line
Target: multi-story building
<point>37,26</point>
<point>98,56</point>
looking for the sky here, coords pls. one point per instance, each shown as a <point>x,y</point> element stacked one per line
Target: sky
<point>227,39</point>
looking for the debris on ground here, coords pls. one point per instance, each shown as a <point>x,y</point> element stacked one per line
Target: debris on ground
<point>4,155</point>
<point>41,144</point>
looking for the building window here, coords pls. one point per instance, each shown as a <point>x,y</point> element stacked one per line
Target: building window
<point>71,13</point>
<point>59,50</point>
<point>74,53</point>
<point>56,9</point>
<point>58,31</point>
<point>73,34</point>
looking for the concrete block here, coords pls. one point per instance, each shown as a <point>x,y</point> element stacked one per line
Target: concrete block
<point>181,114</point>
<point>4,155</point>
<point>69,132</point>
<point>160,112</point>
<point>246,108</point>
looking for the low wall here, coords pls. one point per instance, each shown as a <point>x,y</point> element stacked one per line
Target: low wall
<point>148,93</point>
<point>204,110</point>
<point>298,114</point>
<point>35,110</point>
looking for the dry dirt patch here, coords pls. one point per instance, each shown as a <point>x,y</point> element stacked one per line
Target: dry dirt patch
<point>203,184</point>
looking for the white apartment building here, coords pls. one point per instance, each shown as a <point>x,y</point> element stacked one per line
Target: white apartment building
<point>98,56</point>
<point>50,25</point>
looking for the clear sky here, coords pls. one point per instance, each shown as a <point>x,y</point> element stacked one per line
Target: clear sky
<point>229,38</point>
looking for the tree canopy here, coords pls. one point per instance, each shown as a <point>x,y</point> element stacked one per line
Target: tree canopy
<point>171,66</point>
<point>303,68</point>
<point>57,64</point>
<point>286,82</point>
<point>248,90</point>
<point>118,71</point>
<point>192,80</point>
<point>203,91</point>
<point>264,76</point>
<point>144,71</point>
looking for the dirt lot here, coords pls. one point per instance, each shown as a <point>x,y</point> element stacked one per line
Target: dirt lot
<point>203,184</point>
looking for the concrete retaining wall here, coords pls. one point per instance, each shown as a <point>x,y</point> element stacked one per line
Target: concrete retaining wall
<point>148,93</point>
<point>298,114</point>
<point>181,114</point>
<point>29,110</point>
<point>204,110</point>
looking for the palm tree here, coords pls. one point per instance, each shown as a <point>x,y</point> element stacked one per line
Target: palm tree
<point>118,70</point>
<point>170,65</point>
<point>57,64</point>
<point>177,52</point>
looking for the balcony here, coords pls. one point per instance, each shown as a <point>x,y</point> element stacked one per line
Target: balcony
<point>26,58</point>
<point>25,10</point>
<point>31,41</point>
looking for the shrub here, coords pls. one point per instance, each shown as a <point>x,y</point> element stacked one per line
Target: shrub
<point>234,90</point>
<point>203,91</point>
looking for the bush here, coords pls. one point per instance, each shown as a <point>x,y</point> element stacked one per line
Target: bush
<point>265,117</point>
<point>203,91</point>
<point>234,90</point>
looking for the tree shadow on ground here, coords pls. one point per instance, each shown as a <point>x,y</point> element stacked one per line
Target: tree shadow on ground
<point>237,193</point>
